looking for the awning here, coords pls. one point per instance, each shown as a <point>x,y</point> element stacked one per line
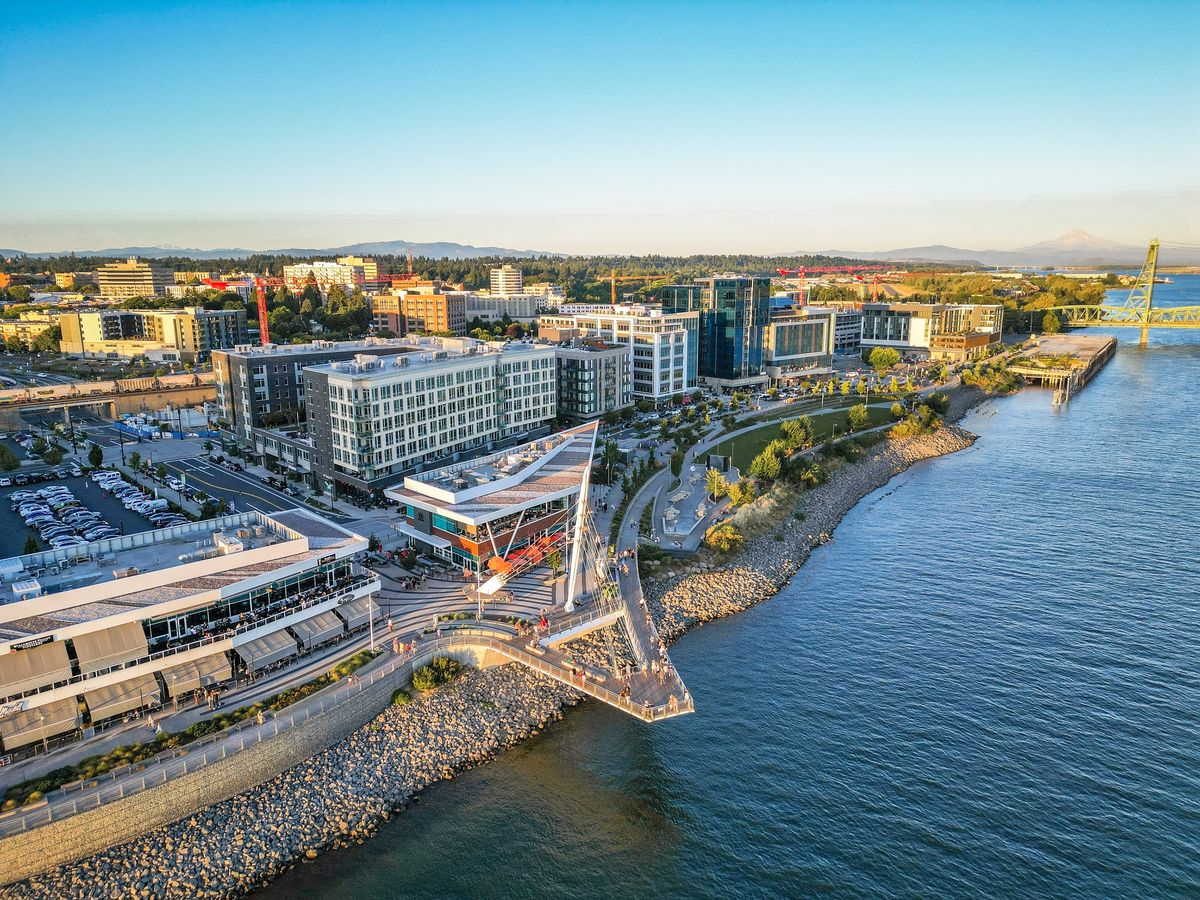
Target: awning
<point>358,613</point>
<point>268,649</point>
<point>319,629</point>
<point>31,725</point>
<point>114,699</point>
<point>214,669</point>
<point>24,670</point>
<point>181,678</point>
<point>431,539</point>
<point>100,650</point>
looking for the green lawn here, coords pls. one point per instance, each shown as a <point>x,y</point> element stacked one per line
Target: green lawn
<point>745,447</point>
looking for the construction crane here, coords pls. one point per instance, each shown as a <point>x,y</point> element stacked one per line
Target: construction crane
<point>260,290</point>
<point>614,278</point>
<point>828,270</point>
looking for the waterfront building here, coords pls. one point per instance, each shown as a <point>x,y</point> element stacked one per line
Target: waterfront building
<point>505,280</point>
<point>663,346</point>
<point>132,279</point>
<point>953,332</point>
<point>323,275</point>
<point>799,343</point>
<point>94,632</point>
<point>189,334</point>
<point>374,417</point>
<point>734,311</point>
<point>593,378</point>
<point>261,386</point>
<point>495,513</point>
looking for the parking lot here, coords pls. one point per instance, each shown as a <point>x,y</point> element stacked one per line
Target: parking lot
<point>13,530</point>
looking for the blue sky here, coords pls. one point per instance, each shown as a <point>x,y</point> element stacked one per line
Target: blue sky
<point>619,127</point>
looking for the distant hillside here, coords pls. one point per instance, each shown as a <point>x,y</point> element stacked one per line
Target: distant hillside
<point>435,250</point>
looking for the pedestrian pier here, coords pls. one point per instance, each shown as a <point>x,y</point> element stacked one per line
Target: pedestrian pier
<point>1065,362</point>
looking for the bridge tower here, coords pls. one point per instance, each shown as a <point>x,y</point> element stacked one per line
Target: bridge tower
<point>1140,300</point>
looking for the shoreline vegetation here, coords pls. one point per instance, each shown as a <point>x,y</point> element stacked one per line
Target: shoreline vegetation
<point>343,795</point>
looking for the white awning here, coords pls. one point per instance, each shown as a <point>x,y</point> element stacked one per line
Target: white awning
<point>100,650</point>
<point>114,699</point>
<point>32,725</point>
<point>181,678</point>
<point>431,539</point>
<point>319,629</point>
<point>268,649</point>
<point>214,669</point>
<point>359,612</point>
<point>24,670</point>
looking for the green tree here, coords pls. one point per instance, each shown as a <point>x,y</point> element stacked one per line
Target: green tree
<point>160,472</point>
<point>31,544</point>
<point>374,544</point>
<point>766,465</point>
<point>797,434</point>
<point>95,456</point>
<point>716,484</point>
<point>858,417</point>
<point>677,458</point>
<point>135,460</point>
<point>8,459</point>
<point>897,412</point>
<point>554,559</point>
<point>724,538</point>
<point>53,455</point>
<point>882,358</point>
<point>1051,323</point>
<point>47,341</point>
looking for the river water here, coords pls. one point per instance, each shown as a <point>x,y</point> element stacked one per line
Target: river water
<point>987,685</point>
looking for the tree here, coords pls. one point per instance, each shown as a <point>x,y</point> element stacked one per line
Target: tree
<point>724,538</point>
<point>897,412</point>
<point>858,417</point>
<point>1051,323</point>
<point>135,460</point>
<point>677,458</point>
<point>374,544</point>
<point>772,393</point>
<point>8,459</point>
<point>883,358</point>
<point>716,484</point>
<point>797,434</point>
<point>766,465</point>
<point>53,455</point>
<point>554,559</point>
<point>31,544</point>
<point>160,472</point>
<point>610,455</point>
<point>47,340</point>
<point>95,456</point>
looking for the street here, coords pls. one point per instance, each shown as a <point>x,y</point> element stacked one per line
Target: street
<point>245,491</point>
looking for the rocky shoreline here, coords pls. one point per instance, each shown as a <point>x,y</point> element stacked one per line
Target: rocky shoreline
<point>342,795</point>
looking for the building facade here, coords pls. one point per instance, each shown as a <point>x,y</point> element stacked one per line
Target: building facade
<point>375,416</point>
<point>799,343</point>
<point>132,279</point>
<point>734,311</point>
<point>180,335</point>
<point>323,275</point>
<point>94,632</point>
<point>954,332</point>
<point>435,313</point>
<point>593,378</point>
<point>663,346</point>
<point>505,280</point>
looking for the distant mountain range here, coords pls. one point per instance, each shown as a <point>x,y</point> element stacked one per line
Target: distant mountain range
<point>435,250</point>
<point>1075,248</point>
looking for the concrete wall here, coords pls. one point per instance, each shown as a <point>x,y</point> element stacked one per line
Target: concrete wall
<point>94,831</point>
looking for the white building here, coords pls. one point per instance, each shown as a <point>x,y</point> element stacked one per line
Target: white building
<point>518,307</point>
<point>506,280</point>
<point>663,347</point>
<point>376,416</point>
<point>140,620</point>
<point>938,330</point>
<point>324,275</point>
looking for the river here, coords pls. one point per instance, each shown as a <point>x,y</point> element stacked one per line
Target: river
<point>987,685</point>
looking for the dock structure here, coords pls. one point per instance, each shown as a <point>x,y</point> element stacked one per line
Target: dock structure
<point>1065,363</point>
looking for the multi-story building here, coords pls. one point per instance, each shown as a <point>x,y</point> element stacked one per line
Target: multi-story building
<point>386,312</point>
<point>502,512</point>
<point>374,417</point>
<point>194,277</point>
<point>29,326</point>
<point>263,386</point>
<point>71,280</point>
<point>323,275</point>
<point>518,307</point>
<point>937,330</point>
<point>91,633</point>
<point>799,343</point>
<point>435,313</point>
<point>734,312</point>
<point>179,335</point>
<point>593,378</point>
<point>553,294</point>
<point>372,270</point>
<point>132,279</point>
<point>505,280</point>
<point>663,346</point>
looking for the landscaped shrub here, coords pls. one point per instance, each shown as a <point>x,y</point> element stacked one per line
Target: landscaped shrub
<point>401,697</point>
<point>440,670</point>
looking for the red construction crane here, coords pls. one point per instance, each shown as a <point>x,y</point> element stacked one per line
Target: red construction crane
<point>825,270</point>
<point>261,283</point>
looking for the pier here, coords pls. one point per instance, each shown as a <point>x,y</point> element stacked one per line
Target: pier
<point>1065,362</point>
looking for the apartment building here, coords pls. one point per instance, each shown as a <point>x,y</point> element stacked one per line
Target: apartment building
<point>955,332</point>
<point>377,416</point>
<point>663,346</point>
<point>798,343</point>
<point>734,311</point>
<point>505,280</point>
<point>68,281</point>
<point>593,378</point>
<point>132,279</point>
<point>517,307</point>
<point>371,269</point>
<point>262,386</point>
<point>323,275</point>
<point>193,277</point>
<point>169,335</point>
<point>89,634</point>
<point>29,326</point>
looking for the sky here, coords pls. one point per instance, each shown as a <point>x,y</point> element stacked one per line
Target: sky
<point>612,127</point>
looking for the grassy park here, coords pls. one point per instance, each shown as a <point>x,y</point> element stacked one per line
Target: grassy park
<point>743,448</point>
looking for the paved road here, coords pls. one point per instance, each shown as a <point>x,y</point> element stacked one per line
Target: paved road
<point>245,491</point>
